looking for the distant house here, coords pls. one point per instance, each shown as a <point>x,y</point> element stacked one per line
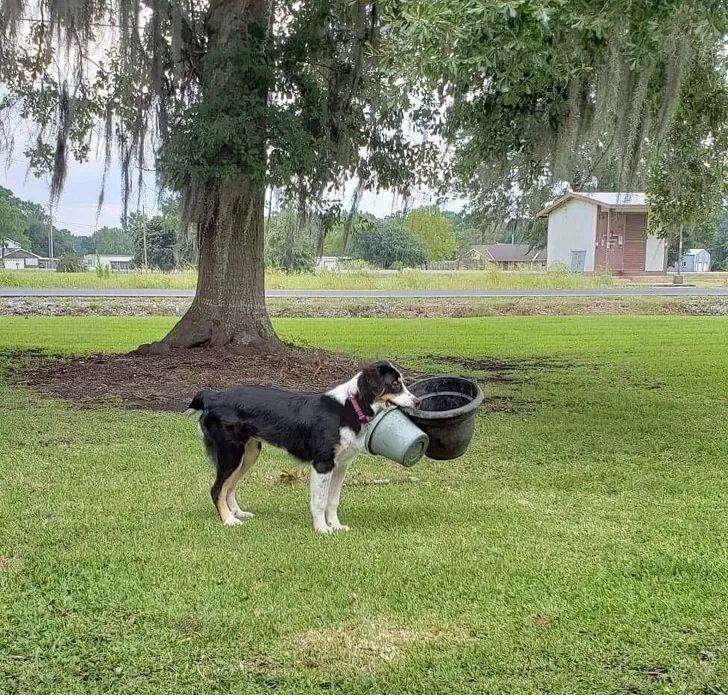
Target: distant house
<point>694,261</point>
<point>13,257</point>
<point>507,256</point>
<point>603,231</point>
<point>20,259</point>
<point>116,264</point>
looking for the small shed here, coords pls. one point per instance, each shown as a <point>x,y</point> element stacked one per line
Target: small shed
<point>603,231</point>
<point>696,261</point>
<point>507,256</point>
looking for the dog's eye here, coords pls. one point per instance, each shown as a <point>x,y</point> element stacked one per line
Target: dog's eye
<point>397,386</point>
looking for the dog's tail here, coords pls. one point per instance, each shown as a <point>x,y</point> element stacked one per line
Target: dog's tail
<point>198,402</point>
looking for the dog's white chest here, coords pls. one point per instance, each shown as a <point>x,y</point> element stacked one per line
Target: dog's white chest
<point>350,443</point>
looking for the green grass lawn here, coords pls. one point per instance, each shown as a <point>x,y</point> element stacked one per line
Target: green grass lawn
<point>578,547</point>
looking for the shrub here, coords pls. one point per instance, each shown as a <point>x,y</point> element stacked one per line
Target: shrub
<point>70,263</point>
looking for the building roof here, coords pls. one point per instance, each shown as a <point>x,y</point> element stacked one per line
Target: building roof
<point>20,253</point>
<point>510,253</point>
<point>695,252</point>
<point>614,201</point>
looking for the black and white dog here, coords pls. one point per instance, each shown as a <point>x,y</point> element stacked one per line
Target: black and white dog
<point>324,429</point>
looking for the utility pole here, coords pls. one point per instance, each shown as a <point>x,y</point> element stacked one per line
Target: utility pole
<point>50,235</point>
<point>677,279</point>
<point>144,238</point>
<point>680,252</point>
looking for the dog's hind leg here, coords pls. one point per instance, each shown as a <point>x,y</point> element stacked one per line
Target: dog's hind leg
<point>250,456</point>
<point>228,460</point>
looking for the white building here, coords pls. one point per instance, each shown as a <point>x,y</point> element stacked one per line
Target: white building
<point>13,257</point>
<point>115,264</point>
<point>696,261</point>
<point>603,231</point>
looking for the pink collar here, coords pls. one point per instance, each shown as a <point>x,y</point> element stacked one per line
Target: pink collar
<point>363,417</point>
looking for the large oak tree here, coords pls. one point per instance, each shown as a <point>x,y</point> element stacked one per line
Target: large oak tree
<point>230,97</point>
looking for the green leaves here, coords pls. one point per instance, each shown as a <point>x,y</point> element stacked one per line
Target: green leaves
<point>388,244</point>
<point>12,220</point>
<point>687,182</point>
<point>433,231</point>
<point>555,90</point>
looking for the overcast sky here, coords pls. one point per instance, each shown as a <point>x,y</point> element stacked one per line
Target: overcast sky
<point>77,209</point>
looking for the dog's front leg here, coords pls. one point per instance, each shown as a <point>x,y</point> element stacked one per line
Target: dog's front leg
<point>320,483</point>
<point>332,506</point>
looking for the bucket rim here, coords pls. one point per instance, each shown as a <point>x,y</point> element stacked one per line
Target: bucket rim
<point>466,409</point>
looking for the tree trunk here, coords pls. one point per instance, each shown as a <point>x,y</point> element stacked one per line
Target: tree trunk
<point>229,305</point>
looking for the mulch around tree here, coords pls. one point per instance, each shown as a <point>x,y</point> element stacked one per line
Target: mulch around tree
<point>169,381</point>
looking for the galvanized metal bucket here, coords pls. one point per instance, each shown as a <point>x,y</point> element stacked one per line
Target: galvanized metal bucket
<point>393,435</point>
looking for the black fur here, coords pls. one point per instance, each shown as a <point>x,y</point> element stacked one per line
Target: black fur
<point>306,425</point>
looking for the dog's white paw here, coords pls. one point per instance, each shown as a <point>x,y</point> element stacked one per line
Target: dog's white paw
<point>243,516</point>
<point>232,521</point>
<point>323,529</point>
<point>338,527</point>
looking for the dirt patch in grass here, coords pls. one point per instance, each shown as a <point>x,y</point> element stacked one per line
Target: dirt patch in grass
<point>364,646</point>
<point>299,477</point>
<point>506,373</point>
<point>169,381</point>
<point>498,369</point>
<point>8,563</point>
<point>542,620</point>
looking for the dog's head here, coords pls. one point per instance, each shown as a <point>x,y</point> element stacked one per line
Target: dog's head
<point>382,384</point>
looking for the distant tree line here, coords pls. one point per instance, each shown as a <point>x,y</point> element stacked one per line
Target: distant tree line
<point>154,241</point>
<point>294,239</point>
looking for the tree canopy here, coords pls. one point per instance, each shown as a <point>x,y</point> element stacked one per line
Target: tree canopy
<point>545,91</point>
<point>434,232</point>
<point>113,241</point>
<point>172,81</point>
<point>13,224</point>
<point>389,244</point>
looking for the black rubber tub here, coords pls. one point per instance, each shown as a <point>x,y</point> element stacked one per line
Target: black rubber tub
<point>446,414</point>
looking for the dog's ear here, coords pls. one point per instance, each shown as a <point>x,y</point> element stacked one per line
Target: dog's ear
<point>371,382</point>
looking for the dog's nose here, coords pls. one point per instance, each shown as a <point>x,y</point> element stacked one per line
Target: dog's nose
<point>415,401</point>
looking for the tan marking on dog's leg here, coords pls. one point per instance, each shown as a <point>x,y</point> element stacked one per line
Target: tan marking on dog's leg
<point>250,456</point>
<point>222,507</point>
